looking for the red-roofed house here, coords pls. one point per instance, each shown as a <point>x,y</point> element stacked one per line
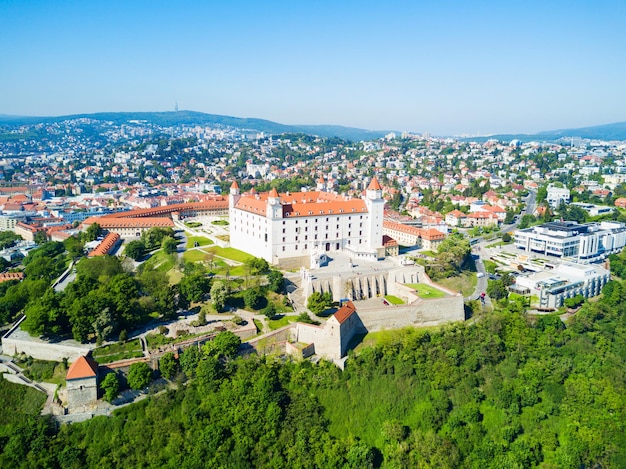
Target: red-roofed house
<point>455,218</point>
<point>621,202</point>
<point>82,384</point>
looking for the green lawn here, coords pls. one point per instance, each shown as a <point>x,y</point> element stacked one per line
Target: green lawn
<point>196,255</point>
<point>175,276</point>
<point>160,261</point>
<point>426,291</point>
<point>201,240</point>
<point>230,253</point>
<point>490,266</point>
<point>220,222</point>
<point>118,351</point>
<point>278,323</point>
<point>394,300</point>
<point>465,283</point>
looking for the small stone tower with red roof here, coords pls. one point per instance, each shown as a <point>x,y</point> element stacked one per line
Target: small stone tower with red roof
<point>82,385</point>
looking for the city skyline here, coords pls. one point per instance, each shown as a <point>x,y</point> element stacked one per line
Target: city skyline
<point>446,69</point>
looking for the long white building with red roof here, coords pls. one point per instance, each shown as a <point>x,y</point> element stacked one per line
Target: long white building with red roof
<point>301,226</point>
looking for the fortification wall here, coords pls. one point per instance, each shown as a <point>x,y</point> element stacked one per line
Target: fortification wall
<point>42,350</point>
<point>423,313</point>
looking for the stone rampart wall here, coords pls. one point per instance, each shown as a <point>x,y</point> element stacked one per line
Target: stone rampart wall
<point>424,313</point>
<point>42,350</point>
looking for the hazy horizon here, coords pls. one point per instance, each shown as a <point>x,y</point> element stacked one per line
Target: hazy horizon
<point>447,68</point>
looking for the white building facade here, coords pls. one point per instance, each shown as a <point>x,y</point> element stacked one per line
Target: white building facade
<point>583,244</point>
<point>565,281</point>
<point>277,226</point>
<point>556,195</point>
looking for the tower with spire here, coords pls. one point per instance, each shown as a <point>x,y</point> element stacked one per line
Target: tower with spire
<point>274,206</point>
<point>321,184</point>
<point>234,195</point>
<point>376,208</point>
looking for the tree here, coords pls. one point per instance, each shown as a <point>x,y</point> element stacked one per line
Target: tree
<point>99,268</point>
<point>92,232</point>
<point>135,250</point>
<point>510,216</point>
<point>269,311</point>
<point>526,221</point>
<point>40,237</point>
<point>139,375</point>
<point>110,385</point>
<point>225,344</point>
<point>153,237</point>
<point>506,237</point>
<point>74,247</point>
<point>168,365</point>
<point>319,302</point>
<point>496,290</point>
<point>252,298</point>
<point>169,245</point>
<point>219,294</point>
<point>542,194</point>
<point>276,280</point>
<point>189,360</point>
<point>193,287</point>
<point>256,265</point>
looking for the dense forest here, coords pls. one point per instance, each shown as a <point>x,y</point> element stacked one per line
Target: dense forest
<point>504,390</point>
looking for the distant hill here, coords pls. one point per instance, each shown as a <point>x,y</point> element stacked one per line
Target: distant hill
<point>615,131</point>
<point>192,117</point>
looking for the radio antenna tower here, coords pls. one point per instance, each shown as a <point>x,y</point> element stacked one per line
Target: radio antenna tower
<point>176,106</point>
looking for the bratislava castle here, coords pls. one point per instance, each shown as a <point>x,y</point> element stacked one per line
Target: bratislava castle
<point>300,225</point>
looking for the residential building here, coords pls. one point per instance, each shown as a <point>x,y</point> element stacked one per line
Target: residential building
<point>408,235</point>
<point>556,195</point>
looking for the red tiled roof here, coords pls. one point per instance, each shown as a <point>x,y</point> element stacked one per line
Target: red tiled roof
<point>374,185</point>
<point>429,234</point>
<point>303,204</point>
<point>234,185</point>
<point>83,367</point>
<point>345,312</point>
<point>216,204</point>
<point>108,223</point>
<point>389,241</point>
<point>105,245</point>
<point>11,276</point>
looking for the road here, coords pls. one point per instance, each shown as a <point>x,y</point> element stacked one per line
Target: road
<point>478,251</point>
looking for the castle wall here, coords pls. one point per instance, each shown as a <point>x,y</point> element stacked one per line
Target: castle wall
<point>424,313</point>
<point>42,350</point>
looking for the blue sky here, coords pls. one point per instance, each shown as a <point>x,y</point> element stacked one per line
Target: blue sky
<point>442,67</point>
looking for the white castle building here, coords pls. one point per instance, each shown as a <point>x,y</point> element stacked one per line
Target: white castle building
<point>302,227</point>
